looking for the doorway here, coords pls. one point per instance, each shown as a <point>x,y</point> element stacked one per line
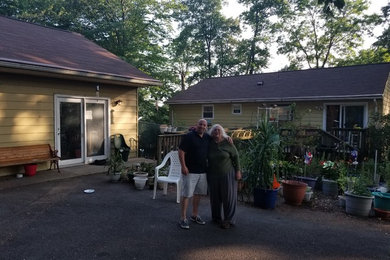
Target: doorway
<point>81,125</point>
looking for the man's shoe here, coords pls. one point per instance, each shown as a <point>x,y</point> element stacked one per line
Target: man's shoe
<point>198,220</point>
<point>184,224</point>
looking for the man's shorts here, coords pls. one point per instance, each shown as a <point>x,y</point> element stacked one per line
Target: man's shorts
<point>194,183</point>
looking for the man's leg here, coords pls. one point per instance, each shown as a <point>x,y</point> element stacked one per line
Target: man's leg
<point>195,204</point>
<point>184,206</point>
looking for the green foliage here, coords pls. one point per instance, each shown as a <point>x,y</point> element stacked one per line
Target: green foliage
<point>316,38</point>
<point>261,155</point>
<point>359,187</point>
<point>115,163</point>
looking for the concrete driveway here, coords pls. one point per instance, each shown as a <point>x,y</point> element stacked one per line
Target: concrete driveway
<point>57,220</point>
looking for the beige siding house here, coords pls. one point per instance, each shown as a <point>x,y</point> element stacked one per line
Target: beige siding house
<point>59,88</point>
<point>341,97</point>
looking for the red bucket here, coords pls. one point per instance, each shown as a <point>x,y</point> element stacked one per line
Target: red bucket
<point>30,169</point>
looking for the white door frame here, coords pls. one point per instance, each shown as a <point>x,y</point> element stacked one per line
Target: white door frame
<point>83,101</point>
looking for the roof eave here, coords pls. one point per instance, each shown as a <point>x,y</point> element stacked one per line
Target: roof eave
<point>285,99</point>
<point>67,73</point>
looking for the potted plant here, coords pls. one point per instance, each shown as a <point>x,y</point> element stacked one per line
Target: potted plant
<point>330,172</point>
<point>259,164</point>
<point>358,199</point>
<point>115,165</point>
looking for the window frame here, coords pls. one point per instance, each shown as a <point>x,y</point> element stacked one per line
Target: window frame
<point>240,107</point>
<point>203,111</point>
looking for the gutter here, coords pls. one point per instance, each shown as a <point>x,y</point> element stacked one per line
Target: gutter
<point>286,99</point>
<point>39,69</point>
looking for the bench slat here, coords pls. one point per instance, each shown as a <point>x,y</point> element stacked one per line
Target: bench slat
<point>20,155</point>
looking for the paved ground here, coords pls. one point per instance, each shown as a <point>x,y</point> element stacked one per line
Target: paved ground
<point>57,220</point>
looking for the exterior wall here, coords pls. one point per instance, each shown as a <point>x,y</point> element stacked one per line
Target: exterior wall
<point>27,109</point>
<point>386,98</point>
<point>308,114</point>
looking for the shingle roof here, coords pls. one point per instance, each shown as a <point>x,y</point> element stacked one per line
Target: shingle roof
<point>351,82</point>
<point>60,51</point>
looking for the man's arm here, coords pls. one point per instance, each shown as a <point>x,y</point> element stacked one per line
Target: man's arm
<point>184,169</point>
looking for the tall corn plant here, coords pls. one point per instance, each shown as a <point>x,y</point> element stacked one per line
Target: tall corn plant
<point>261,154</point>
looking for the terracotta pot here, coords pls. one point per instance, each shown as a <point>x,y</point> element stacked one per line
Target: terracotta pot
<point>294,192</point>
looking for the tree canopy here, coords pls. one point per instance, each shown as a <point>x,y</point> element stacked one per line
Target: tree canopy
<point>181,42</point>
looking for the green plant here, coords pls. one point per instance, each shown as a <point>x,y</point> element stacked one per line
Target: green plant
<point>359,187</point>
<point>115,163</point>
<point>261,155</point>
<point>384,171</point>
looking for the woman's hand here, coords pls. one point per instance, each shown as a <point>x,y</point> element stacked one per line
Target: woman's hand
<point>238,175</point>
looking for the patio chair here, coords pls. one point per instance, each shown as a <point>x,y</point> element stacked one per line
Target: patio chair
<point>120,144</point>
<point>174,174</point>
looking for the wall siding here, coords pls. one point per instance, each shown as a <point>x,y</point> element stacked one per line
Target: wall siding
<point>308,114</point>
<point>386,98</point>
<point>27,109</point>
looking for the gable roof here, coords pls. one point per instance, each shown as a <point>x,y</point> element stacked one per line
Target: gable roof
<point>33,49</point>
<point>351,82</point>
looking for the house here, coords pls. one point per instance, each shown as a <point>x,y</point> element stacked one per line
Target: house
<point>328,98</point>
<point>59,88</point>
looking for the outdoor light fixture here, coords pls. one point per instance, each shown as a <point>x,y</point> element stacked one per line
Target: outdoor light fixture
<point>260,83</point>
<point>117,103</point>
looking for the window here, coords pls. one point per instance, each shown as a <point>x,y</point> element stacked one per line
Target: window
<point>345,116</point>
<point>208,111</point>
<point>236,109</point>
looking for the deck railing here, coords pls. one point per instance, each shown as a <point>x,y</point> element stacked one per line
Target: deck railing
<point>167,143</point>
<point>338,142</point>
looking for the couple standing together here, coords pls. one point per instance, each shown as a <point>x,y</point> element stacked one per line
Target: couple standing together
<point>212,153</point>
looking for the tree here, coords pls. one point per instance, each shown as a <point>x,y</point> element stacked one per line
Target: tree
<point>258,17</point>
<point>210,36</point>
<point>384,39</point>
<point>317,39</point>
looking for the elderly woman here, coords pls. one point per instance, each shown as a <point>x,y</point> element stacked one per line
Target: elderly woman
<point>222,174</point>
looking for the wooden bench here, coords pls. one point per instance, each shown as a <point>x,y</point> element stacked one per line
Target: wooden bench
<point>21,155</point>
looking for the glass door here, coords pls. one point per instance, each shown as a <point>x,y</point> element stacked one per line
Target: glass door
<point>81,129</point>
<point>96,129</point>
<point>69,130</point>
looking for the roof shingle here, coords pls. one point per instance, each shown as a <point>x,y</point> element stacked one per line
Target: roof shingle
<point>351,82</point>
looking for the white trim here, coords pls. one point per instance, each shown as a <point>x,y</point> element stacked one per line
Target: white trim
<point>240,105</point>
<point>202,115</point>
<point>83,101</point>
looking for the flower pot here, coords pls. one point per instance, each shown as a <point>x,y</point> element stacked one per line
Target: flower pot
<point>294,192</point>
<point>330,188</point>
<point>341,201</point>
<point>382,213</point>
<point>115,176</point>
<point>381,201</point>
<point>358,205</point>
<point>140,174</point>
<point>308,195</point>
<point>265,199</point>
<point>140,182</point>
<point>30,169</point>
<point>308,180</point>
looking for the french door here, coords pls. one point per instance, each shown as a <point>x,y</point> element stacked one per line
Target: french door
<point>81,129</point>
<point>346,116</point>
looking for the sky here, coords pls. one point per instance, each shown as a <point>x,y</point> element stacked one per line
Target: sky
<point>232,9</point>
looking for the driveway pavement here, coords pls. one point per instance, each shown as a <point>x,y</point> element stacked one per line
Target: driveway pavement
<point>57,220</point>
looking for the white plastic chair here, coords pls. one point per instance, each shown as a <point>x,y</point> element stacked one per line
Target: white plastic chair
<point>174,174</point>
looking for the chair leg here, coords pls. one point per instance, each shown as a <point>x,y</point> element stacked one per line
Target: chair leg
<point>154,188</point>
<point>178,193</point>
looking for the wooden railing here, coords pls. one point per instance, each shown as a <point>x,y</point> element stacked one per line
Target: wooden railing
<point>338,142</point>
<point>167,143</point>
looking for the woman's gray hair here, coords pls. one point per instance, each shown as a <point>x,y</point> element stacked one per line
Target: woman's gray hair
<point>224,135</point>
